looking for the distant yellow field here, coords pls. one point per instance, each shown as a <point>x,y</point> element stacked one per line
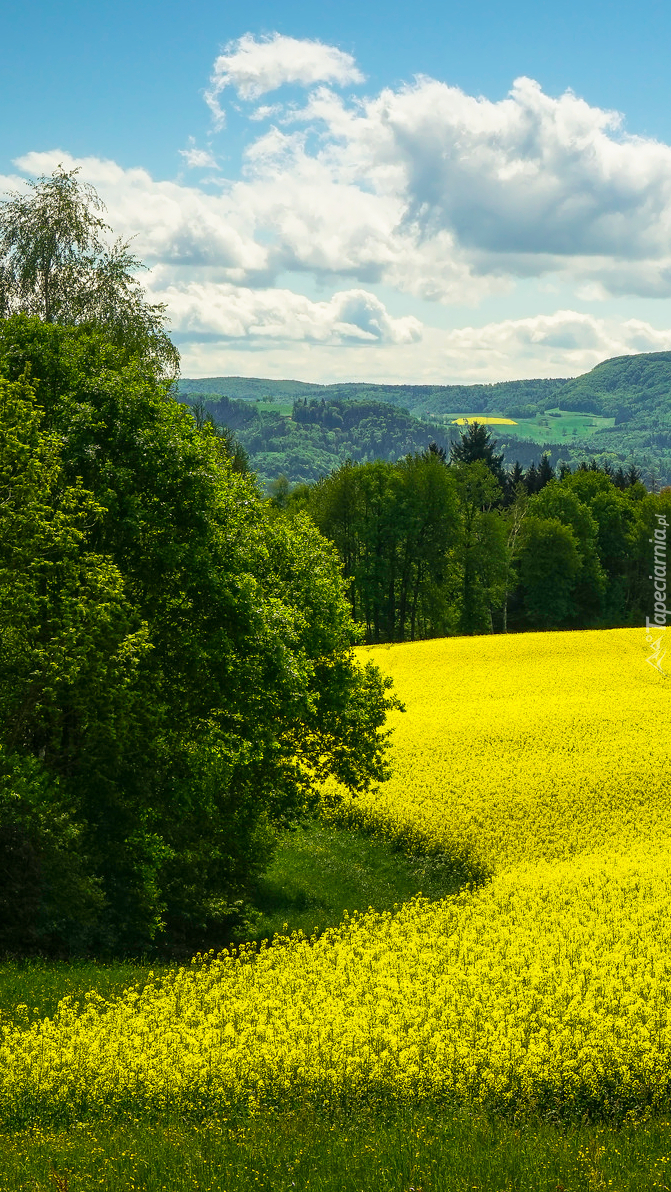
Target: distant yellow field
<point>484,421</point>
<point>545,759</point>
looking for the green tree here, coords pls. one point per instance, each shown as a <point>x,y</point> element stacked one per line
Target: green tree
<point>483,547</point>
<point>395,526</point>
<point>214,682</point>
<point>615,519</point>
<point>70,647</point>
<point>230,448</point>
<point>428,533</point>
<point>476,444</point>
<point>55,263</point>
<point>646,508</point>
<point>514,521</point>
<point>545,472</point>
<point>336,506</point>
<point>549,564</point>
<point>558,501</point>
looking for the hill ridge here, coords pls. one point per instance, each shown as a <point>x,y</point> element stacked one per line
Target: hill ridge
<point>627,397</point>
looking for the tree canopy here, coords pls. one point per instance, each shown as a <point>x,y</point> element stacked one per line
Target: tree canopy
<point>178,666</point>
<point>444,541</point>
<point>176,673</point>
<point>57,262</point>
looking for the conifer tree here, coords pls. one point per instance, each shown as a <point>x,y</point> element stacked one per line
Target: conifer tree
<point>476,443</point>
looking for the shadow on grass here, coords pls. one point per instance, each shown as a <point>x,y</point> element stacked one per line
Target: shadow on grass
<point>320,871</point>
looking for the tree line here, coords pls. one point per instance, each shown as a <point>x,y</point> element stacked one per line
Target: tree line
<point>435,544</point>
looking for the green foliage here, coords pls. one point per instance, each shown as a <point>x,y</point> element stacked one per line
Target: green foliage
<point>179,660</point>
<point>622,383</point>
<point>48,896</point>
<point>558,501</point>
<point>430,548</point>
<point>55,264</point>
<point>549,565</point>
<point>317,873</point>
<point>394,526</point>
<point>614,515</point>
<point>483,552</point>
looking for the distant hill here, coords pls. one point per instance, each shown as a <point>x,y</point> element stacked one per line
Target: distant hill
<point>418,399</point>
<point>632,392</point>
<point>624,383</point>
<point>306,439</point>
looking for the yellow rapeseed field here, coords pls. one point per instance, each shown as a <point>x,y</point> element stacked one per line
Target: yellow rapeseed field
<point>545,759</point>
<point>484,421</point>
<point>526,747</point>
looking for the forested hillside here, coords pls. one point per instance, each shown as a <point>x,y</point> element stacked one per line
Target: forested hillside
<point>419,399</point>
<point>628,397</point>
<point>308,438</point>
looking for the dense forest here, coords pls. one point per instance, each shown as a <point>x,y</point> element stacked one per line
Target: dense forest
<point>630,395</point>
<point>312,437</point>
<point>434,545</point>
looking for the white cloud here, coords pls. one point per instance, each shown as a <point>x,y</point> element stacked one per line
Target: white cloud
<point>265,111</point>
<point>521,187</point>
<point>254,68</point>
<point>564,343</point>
<point>439,194</point>
<point>235,313</point>
<point>433,193</point>
<point>176,227</point>
<point>195,157</point>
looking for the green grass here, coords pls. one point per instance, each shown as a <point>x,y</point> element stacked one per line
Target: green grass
<point>562,429</point>
<point>317,874</point>
<point>416,1149</point>
<point>320,872</point>
<point>285,408</point>
<point>556,426</point>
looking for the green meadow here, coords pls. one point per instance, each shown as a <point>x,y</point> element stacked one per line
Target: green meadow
<point>554,426</point>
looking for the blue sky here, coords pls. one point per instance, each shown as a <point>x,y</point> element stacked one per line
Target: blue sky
<point>429,192</point>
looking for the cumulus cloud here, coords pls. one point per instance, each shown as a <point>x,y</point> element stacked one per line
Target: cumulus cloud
<point>521,187</point>
<point>570,340</point>
<point>437,193</point>
<point>421,188</point>
<point>253,68</point>
<point>234,313</point>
